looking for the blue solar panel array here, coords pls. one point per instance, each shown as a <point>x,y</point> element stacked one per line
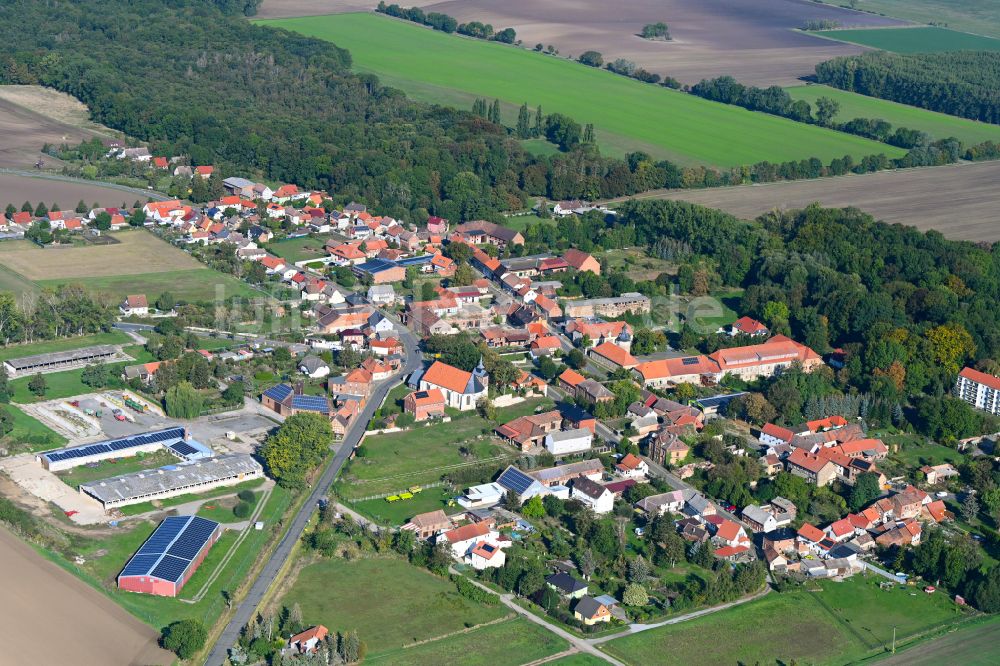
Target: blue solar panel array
<point>279,393</point>
<point>115,445</point>
<point>312,403</point>
<point>515,480</point>
<point>184,449</point>
<point>169,550</point>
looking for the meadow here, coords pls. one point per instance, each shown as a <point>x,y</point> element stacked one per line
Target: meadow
<point>828,623</point>
<point>914,40</point>
<point>390,602</point>
<point>937,125</point>
<point>450,70</point>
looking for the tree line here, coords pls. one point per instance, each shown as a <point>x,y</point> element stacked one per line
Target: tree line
<point>627,68</point>
<point>448,24</point>
<point>961,83</point>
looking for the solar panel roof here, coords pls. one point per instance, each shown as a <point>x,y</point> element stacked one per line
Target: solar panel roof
<point>184,448</point>
<point>279,392</point>
<point>515,480</point>
<point>315,403</point>
<point>170,549</point>
<point>112,445</point>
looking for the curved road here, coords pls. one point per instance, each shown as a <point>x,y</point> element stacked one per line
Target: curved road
<point>247,607</point>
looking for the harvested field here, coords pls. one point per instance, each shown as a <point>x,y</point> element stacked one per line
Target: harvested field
<point>92,629</point>
<point>755,42</point>
<point>17,189</point>
<point>137,252</point>
<point>973,16</point>
<point>664,123</point>
<point>31,116</point>
<point>958,200</point>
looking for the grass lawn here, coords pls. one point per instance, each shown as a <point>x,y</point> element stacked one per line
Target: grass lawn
<point>13,281</point>
<point>579,659</point>
<point>970,15</point>
<point>915,452</point>
<point>397,461</point>
<point>508,643</point>
<point>298,249</point>
<point>540,147</point>
<point>526,408</point>
<point>706,319</point>
<point>843,623</point>
<point>915,40</point>
<point>522,222</point>
<point>60,385</point>
<point>114,337</point>
<point>30,434</point>
<point>221,511</point>
<point>937,125</point>
<point>201,284</point>
<point>448,69</point>
<point>636,263</point>
<point>215,344</point>
<point>397,513</point>
<point>115,467</point>
<point>389,602</point>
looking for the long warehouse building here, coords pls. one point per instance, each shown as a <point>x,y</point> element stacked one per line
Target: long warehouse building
<point>195,476</point>
<point>175,440</point>
<point>55,361</point>
<point>170,556</point>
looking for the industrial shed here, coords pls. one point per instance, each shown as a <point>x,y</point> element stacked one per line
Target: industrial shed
<point>174,440</point>
<point>195,476</point>
<point>55,361</point>
<point>170,556</point>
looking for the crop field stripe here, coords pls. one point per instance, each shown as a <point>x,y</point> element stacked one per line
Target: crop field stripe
<point>913,40</point>
<point>424,63</point>
<point>938,125</point>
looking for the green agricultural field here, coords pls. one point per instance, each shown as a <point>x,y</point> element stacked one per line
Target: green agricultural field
<point>974,16</point>
<point>390,602</point>
<point>937,125</point>
<point>114,337</point>
<point>509,643</point>
<point>397,461</point>
<point>628,115</point>
<point>914,40</point>
<point>844,623</point>
<point>201,284</point>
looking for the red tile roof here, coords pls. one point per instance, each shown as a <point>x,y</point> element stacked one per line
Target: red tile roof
<point>447,376</point>
<point>981,378</point>
<point>749,326</point>
<point>615,354</point>
<point>467,532</point>
<point>811,533</point>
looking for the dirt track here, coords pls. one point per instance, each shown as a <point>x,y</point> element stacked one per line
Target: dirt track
<point>958,200</point>
<point>53,618</point>
<point>754,41</point>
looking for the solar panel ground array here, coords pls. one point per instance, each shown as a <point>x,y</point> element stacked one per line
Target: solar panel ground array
<point>171,550</point>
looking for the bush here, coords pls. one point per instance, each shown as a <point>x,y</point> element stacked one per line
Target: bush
<point>468,590</point>
<point>591,58</point>
<point>242,510</point>
<point>184,638</point>
<point>247,495</point>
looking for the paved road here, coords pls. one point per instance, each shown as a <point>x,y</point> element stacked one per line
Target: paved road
<point>45,175</point>
<point>248,606</point>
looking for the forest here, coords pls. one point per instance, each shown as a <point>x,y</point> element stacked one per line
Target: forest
<point>961,83</point>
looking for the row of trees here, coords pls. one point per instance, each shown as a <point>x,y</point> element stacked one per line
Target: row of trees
<point>626,68</point>
<point>961,83</point>
<point>67,310</point>
<point>446,23</point>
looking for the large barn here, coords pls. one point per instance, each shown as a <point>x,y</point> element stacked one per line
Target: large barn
<point>175,440</point>
<point>170,556</point>
<point>56,361</point>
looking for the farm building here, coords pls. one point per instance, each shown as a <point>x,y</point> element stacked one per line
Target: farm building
<point>64,360</point>
<point>170,556</point>
<point>175,440</point>
<point>172,480</point>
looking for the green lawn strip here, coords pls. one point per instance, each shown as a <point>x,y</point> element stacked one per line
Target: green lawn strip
<point>508,643</point>
<point>396,461</point>
<point>522,222</point>
<point>578,659</point>
<point>937,125</point>
<point>540,147</point>
<point>221,511</point>
<point>30,434</point>
<point>199,284</point>
<point>526,408</point>
<point>390,602</point>
<point>667,123</point>
<point>914,40</point>
<point>114,337</point>
<point>115,467</point>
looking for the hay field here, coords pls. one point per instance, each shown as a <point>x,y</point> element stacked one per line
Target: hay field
<point>959,200</point>
<point>627,115</point>
<point>92,629</point>
<point>138,252</point>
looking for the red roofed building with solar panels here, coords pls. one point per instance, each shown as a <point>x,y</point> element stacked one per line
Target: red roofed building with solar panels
<point>170,556</point>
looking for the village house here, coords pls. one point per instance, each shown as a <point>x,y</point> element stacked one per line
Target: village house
<point>666,448</point>
<point>566,442</point>
<point>632,466</point>
<point>528,432</point>
<point>135,305</point>
<point>566,585</point>
<point>461,540</point>
<point>590,611</point>
<point>612,356</point>
<point>424,404</point>
<point>593,495</point>
<point>582,261</point>
<point>307,641</point>
<point>748,326</point>
<point>426,525</point>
